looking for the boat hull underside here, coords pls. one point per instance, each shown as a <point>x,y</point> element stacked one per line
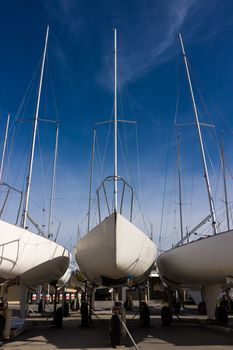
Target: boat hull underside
<point>29,258</point>
<point>115,251</point>
<point>206,261</point>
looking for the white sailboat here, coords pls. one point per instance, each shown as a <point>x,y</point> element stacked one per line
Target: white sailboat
<point>25,257</point>
<point>207,262</point>
<point>115,252</point>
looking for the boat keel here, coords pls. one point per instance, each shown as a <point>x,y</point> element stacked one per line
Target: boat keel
<point>211,295</point>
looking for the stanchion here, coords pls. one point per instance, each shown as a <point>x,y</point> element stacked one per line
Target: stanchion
<point>115,329</point>
<point>166,316</point>
<point>145,315</point>
<point>58,318</point>
<point>84,314</point>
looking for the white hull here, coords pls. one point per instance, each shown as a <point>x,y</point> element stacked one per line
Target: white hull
<point>63,280</point>
<point>114,251</point>
<point>207,261</point>
<point>28,258</point>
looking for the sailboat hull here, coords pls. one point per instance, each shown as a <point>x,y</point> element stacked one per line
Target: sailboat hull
<point>207,261</point>
<point>29,258</point>
<point>115,251</point>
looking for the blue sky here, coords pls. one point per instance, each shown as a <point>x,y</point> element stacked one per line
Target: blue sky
<point>80,62</point>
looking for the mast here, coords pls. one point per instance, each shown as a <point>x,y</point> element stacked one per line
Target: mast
<point>90,188</point>
<point>206,175</point>
<point>4,146</point>
<point>115,120</point>
<point>180,194</point>
<point>53,180</point>
<point>225,184</point>
<point>29,176</point>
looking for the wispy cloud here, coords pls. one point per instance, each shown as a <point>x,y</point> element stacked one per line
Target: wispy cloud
<point>65,13</point>
<point>147,40</point>
<point>65,17</point>
<point>144,41</point>
<point>146,31</point>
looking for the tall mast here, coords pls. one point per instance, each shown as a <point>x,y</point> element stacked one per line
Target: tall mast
<point>225,184</point>
<point>115,120</point>
<point>4,146</point>
<point>29,177</point>
<point>53,180</point>
<point>180,194</point>
<point>90,188</point>
<point>206,175</point>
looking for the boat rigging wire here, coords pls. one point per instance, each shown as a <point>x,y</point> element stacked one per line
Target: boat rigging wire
<point>19,118</point>
<point>137,144</point>
<point>138,165</point>
<point>42,169</point>
<point>128,164</point>
<point>80,219</point>
<point>161,230</point>
<point>164,188</point>
<point>219,111</point>
<point>105,148</point>
<point>212,135</point>
<point>128,169</point>
<point>28,92</point>
<point>16,120</point>
<point>123,157</point>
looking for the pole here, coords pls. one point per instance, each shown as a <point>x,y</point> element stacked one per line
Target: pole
<point>29,177</point>
<point>4,146</point>
<point>90,188</point>
<point>206,175</point>
<point>115,120</point>
<point>53,180</point>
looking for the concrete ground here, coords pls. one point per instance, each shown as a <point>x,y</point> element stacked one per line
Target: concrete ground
<point>187,332</point>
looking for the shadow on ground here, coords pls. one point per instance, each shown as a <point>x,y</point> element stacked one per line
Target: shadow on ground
<point>181,334</point>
